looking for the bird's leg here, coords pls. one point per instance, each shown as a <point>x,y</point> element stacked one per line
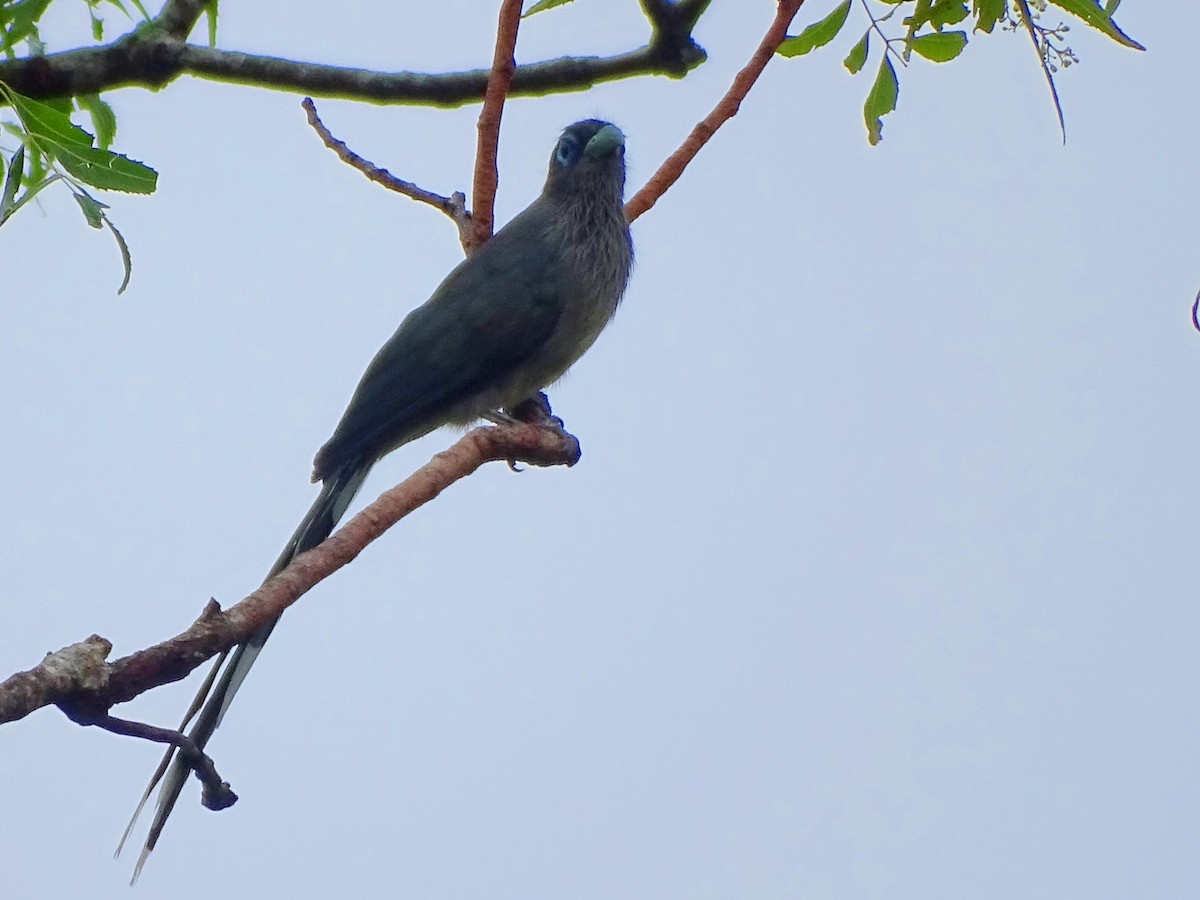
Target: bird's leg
<point>533,410</point>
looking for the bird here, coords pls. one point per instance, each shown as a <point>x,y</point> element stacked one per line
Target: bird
<point>508,321</point>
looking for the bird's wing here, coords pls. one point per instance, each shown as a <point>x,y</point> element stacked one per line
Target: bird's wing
<point>490,315</point>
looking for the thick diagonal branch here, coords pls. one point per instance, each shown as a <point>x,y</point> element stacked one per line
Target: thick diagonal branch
<point>79,678</point>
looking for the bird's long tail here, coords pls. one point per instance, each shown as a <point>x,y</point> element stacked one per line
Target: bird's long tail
<point>232,666</point>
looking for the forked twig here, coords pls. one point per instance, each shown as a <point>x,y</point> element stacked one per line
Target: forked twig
<point>455,206</point>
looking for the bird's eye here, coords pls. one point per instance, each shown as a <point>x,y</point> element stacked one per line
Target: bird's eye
<point>567,151</point>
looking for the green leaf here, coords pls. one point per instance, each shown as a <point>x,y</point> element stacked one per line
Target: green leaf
<point>947,12</point>
<point>1111,6</point>
<point>12,183</point>
<point>857,57</point>
<point>881,100</point>
<point>816,35</point>
<point>32,189</point>
<point>53,133</point>
<point>935,13</point>
<point>104,120</point>
<point>39,168</point>
<point>542,6</point>
<point>97,25</point>
<point>1091,12</point>
<point>64,105</point>
<point>107,170</point>
<point>93,209</point>
<point>940,46</point>
<point>210,13</point>
<point>22,21</point>
<point>41,120</point>
<point>126,259</point>
<point>988,13</point>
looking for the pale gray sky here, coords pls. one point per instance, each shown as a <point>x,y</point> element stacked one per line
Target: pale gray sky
<point>877,577</point>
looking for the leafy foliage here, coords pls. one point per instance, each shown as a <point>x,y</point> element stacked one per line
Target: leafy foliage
<point>941,46</point>
<point>53,148</point>
<point>818,34</point>
<point>925,29</point>
<point>49,146</point>
<point>1098,17</point>
<point>19,22</point>
<point>857,57</point>
<point>46,146</point>
<point>881,100</point>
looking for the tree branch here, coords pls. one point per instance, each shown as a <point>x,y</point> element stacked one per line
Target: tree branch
<point>454,206</point>
<point>79,668</point>
<point>79,679</point>
<point>668,173</point>
<point>673,22</point>
<point>152,56</point>
<point>178,17</point>
<point>690,12</point>
<point>483,190</point>
<point>216,793</point>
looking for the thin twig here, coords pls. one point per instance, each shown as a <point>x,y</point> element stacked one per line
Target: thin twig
<point>1027,17</point>
<point>216,795</point>
<point>487,176</point>
<point>919,16</point>
<point>455,206</point>
<point>887,41</point>
<point>668,173</point>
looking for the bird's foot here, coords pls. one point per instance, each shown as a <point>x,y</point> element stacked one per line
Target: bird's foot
<point>536,411</point>
<point>533,411</point>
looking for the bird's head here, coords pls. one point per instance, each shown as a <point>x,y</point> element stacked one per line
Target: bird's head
<point>589,159</point>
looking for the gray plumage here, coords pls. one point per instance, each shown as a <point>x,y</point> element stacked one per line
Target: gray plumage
<point>507,322</point>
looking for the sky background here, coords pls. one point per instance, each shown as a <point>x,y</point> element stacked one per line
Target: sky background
<point>877,577</point>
